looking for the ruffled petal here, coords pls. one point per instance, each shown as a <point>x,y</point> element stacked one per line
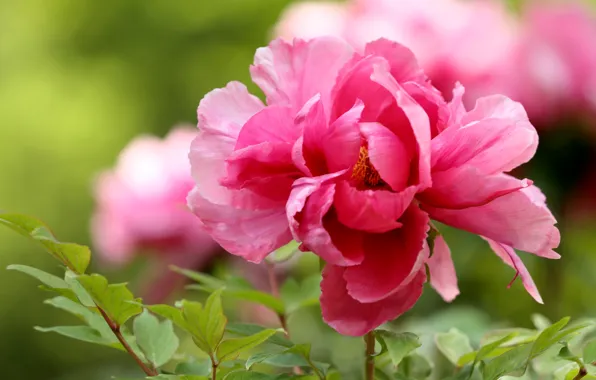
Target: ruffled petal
<point>350,317</point>
<point>374,211</point>
<point>519,219</point>
<point>272,124</point>
<point>390,260</point>
<point>442,271</point>
<point>495,137</point>
<point>251,234</point>
<point>508,255</point>
<point>291,74</point>
<point>466,186</point>
<point>403,63</point>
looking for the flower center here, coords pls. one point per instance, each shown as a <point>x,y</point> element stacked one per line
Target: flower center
<point>364,172</point>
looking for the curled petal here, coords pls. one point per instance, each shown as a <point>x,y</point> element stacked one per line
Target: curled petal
<point>273,124</point>
<point>465,186</point>
<point>518,219</point>
<point>403,63</point>
<point>390,259</point>
<point>508,255</point>
<point>442,271</point>
<point>374,211</point>
<point>350,317</point>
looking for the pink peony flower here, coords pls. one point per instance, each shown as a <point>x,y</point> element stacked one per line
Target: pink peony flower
<point>552,69</point>
<point>141,208</point>
<point>482,33</point>
<point>353,155</point>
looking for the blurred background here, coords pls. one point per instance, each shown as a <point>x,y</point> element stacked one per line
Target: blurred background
<point>80,79</point>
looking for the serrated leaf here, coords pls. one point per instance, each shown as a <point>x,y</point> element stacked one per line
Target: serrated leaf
<point>399,345</point>
<point>247,329</point>
<point>115,299</point>
<point>200,368</point>
<point>589,353</point>
<point>453,344</point>
<point>415,366</point>
<point>228,349</point>
<point>73,256</point>
<point>82,333</point>
<point>156,339</point>
<point>45,278</point>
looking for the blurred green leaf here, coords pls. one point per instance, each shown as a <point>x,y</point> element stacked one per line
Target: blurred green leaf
<point>115,299</point>
<point>513,363</point>
<point>540,321</point>
<point>484,351</point>
<point>295,295</point>
<point>156,339</point>
<point>589,353</point>
<point>453,344</point>
<point>73,256</point>
<point>251,295</point>
<point>247,329</point>
<point>201,368</point>
<point>414,366</point>
<point>284,253</point>
<point>249,375</point>
<point>548,337</point>
<point>297,356</point>
<point>202,278</point>
<point>399,345</point>
<point>231,347</point>
<point>83,333</point>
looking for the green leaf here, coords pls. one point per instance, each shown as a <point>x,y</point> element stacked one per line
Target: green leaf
<point>513,363</point>
<point>246,375</point>
<point>399,345</point>
<point>231,347</point>
<point>171,313</point>
<point>548,337</point>
<point>200,368</point>
<point>485,351</point>
<point>47,279</point>
<point>74,256</point>
<point>80,293</point>
<point>212,321</point>
<point>590,353</point>
<point>90,317</point>
<point>115,299</point>
<point>202,278</point>
<point>453,344</point>
<point>296,296</point>
<point>540,321</point>
<point>415,366</point>
<point>284,253</point>
<point>82,333</point>
<point>247,329</point>
<point>156,339</point>
<point>251,295</point>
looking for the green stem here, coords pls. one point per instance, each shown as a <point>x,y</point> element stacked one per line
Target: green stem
<point>149,370</point>
<point>369,339</point>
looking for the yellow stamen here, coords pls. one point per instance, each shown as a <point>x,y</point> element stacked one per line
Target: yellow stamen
<point>364,173</point>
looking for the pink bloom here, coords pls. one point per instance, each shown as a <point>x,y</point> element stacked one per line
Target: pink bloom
<point>481,33</point>
<point>352,156</point>
<point>552,69</point>
<point>141,208</point>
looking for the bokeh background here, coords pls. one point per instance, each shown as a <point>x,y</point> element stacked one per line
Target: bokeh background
<point>79,79</point>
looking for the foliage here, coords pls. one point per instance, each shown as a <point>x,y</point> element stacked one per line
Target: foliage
<point>112,317</point>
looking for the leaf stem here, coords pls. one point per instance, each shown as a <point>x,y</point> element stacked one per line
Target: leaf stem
<point>213,369</point>
<point>149,370</point>
<point>581,374</point>
<point>369,339</point>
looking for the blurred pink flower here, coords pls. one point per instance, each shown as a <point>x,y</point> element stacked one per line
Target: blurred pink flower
<point>552,71</point>
<point>141,208</point>
<point>454,40</point>
<point>352,156</point>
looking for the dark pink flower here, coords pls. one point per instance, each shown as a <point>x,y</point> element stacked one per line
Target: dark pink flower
<point>141,208</point>
<point>352,156</point>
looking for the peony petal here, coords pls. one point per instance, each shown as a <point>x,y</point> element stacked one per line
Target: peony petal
<point>225,110</point>
<point>518,219</point>
<point>508,255</point>
<point>271,124</point>
<point>251,234</point>
<point>417,117</point>
<point>403,63</point>
<point>465,186</point>
<point>316,227</point>
<point>291,74</point>
<point>350,317</point>
<point>391,259</point>
<point>497,143</point>
<point>266,169</point>
<point>374,211</point>
<point>457,109</point>
<point>442,271</point>
<point>388,155</point>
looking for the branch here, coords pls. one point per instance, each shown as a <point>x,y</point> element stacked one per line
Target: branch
<point>369,339</point>
<point>149,370</point>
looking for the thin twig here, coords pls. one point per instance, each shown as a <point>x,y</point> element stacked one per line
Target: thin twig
<point>213,369</point>
<point>149,370</point>
<point>369,339</point>
<point>581,374</point>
